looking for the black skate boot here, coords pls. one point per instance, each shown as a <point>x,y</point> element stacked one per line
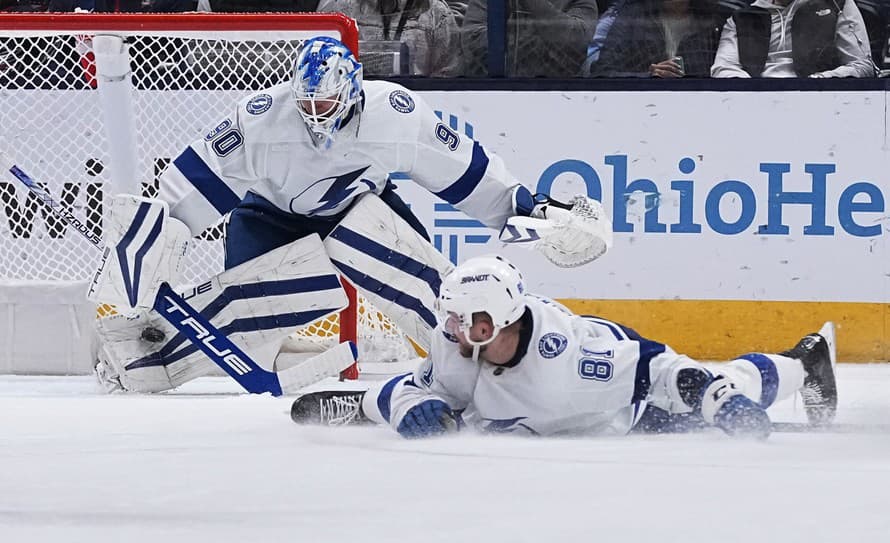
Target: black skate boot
<point>330,408</point>
<point>817,354</point>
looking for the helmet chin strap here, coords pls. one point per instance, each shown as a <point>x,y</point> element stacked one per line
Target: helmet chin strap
<point>477,345</point>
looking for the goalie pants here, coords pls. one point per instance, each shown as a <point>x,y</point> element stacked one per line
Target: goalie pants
<point>256,226</point>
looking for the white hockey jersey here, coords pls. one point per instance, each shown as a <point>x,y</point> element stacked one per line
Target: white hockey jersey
<point>265,148</point>
<point>577,375</point>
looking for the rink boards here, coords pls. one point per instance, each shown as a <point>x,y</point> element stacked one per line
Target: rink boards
<point>743,220</point>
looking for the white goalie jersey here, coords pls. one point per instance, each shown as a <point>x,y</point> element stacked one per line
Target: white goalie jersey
<point>572,374</point>
<point>265,148</point>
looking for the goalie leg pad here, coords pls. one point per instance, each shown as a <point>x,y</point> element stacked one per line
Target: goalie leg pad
<point>253,304</point>
<point>391,264</point>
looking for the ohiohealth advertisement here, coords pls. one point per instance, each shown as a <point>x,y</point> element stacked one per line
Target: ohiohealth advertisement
<point>741,196</point>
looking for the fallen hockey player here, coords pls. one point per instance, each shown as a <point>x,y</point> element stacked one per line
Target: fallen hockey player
<point>504,360</point>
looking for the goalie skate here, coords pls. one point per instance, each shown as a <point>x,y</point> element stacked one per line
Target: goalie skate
<point>330,408</point>
<point>817,353</point>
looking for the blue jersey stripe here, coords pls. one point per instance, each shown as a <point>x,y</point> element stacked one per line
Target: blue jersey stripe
<point>648,350</point>
<point>387,292</point>
<point>460,189</point>
<point>199,174</point>
<point>616,329</point>
<point>642,382</point>
<point>385,396</point>
<point>388,256</point>
<point>769,377</point>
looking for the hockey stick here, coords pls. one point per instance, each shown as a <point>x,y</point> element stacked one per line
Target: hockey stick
<point>199,330</point>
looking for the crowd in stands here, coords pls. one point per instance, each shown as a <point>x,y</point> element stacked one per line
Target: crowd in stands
<point>586,38</point>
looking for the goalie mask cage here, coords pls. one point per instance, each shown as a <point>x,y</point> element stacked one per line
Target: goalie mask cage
<point>76,114</point>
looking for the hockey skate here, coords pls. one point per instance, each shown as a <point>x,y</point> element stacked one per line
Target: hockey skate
<point>330,408</point>
<point>819,392</point>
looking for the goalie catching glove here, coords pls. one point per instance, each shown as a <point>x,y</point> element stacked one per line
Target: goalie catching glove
<point>568,234</point>
<point>145,247</point>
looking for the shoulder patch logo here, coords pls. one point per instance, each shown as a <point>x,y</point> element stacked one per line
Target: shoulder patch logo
<point>259,104</point>
<point>552,345</point>
<point>401,101</point>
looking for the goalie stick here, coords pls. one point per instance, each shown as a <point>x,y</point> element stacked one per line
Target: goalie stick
<point>200,331</point>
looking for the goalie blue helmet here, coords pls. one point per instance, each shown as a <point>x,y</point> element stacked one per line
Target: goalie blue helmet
<point>327,85</point>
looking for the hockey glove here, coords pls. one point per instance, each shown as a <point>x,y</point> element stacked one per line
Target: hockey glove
<point>568,235</point>
<point>731,411</point>
<point>428,418</point>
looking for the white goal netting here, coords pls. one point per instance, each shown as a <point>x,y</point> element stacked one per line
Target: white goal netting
<point>187,72</point>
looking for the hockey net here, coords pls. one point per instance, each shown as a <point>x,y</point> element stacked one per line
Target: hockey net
<point>188,71</point>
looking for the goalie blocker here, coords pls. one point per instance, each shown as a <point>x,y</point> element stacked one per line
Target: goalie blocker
<point>145,247</point>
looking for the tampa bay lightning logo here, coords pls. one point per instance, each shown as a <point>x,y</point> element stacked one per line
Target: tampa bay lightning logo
<point>401,101</point>
<point>329,193</point>
<point>259,104</point>
<point>552,345</point>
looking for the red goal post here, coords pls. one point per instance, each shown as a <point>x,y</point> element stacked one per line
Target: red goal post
<point>74,130</point>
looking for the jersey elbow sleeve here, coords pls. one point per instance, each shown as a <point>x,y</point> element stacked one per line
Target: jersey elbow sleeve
<point>474,181</point>
<point>197,194</point>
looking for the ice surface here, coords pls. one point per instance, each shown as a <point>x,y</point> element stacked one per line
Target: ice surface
<point>209,464</point>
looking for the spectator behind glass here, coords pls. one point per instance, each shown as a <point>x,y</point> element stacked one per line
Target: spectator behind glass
<point>795,38</point>
<point>427,26</point>
<point>459,7</point>
<point>97,6</point>
<point>63,6</point>
<point>544,37</point>
<point>23,6</point>
<point>657,38</point>
<point>876,14</point>
<point>233,6</point>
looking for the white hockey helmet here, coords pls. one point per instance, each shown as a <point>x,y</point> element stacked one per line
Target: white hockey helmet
<point>327,85</point>
<point>489,284</point>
